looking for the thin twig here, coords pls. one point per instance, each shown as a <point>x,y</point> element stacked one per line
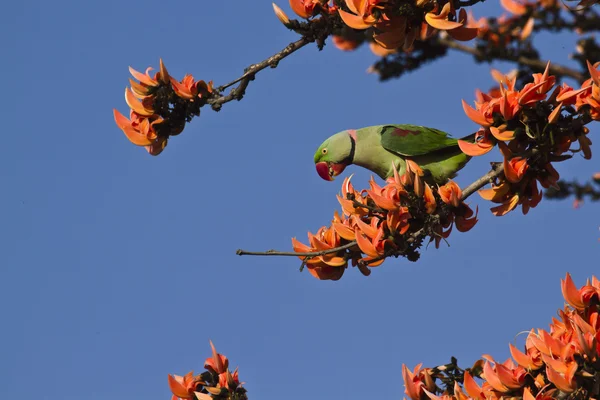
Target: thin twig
<point>238,92</point>
<point>555,69</point>
<point>241,252</point>
<point>269,62</point>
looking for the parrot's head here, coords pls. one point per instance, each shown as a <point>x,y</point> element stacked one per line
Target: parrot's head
<point>335,154</point>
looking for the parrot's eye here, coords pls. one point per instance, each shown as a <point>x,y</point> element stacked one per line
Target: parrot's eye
<point>324,151</point>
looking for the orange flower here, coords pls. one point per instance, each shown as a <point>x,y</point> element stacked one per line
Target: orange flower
<point>139,130</point>
<point>482,145</point>
<point>189,89</point>
<point>509,79</point>
<point>388,197</point>
<point>305,8</point>
<point>537,90</point>
<point>146,81</point>
<point>515,7</point>
<point>343,226</point>
<point>430,203</point>
<point>451,193</point>
<point>580,299</point>
<point>395,32</point>
<point>416,381</point>
<point>227,380</point>
<point>328,266</point>
<point>344,44</point>
<point>372,247</point>
<point>381,51</point>
<point>397,220</point>
<point>465,219</point>
<point>496,194</point>
<point>527,29</point>
<point>327,239</point>
<point>415,172</point>
<point>147,125</point>
<point>218,363</point>
<point>441,20</point>
<point>530,360</point>
<point>504,377</point>
<point>507,206</point>
<point>348,206</point>
<point>564,381</point>
<point>360,15</point>
<point>460,30</point>
<point>184,386</point>
<point>472,388</point>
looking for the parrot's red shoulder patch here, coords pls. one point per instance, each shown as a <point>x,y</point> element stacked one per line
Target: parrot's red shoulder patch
<point>404,132</point>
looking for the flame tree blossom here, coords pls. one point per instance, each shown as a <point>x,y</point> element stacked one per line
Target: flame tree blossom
<point>534,127</point>
<point>392,24</point>
<point>562,362</point>
<point>159,107</point>
<point>381,222</point>
<point>217,382</point>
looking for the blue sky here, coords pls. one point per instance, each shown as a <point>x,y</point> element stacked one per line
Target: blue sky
<point>117,267</point>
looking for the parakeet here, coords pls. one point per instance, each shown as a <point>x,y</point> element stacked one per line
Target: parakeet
<point>377,147</point>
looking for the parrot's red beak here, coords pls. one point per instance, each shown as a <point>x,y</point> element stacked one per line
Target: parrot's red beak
<point>328,170</point>
<point>323,171</point>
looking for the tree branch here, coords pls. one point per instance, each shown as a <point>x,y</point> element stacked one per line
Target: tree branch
<point>496,171</point>
<point>238,92</point>
<point>241,252</point>
<point>269,62</point>
<point>555,69</point>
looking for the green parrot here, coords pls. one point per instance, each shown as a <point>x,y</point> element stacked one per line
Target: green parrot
<point>377,147</point>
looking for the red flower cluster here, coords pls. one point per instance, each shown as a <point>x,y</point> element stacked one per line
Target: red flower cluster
<point>216,382</point>
<point>378,222</point>
<point>394,27</point>
<point>150,121</point>
<point>554,364</point>
<point>531,131</point>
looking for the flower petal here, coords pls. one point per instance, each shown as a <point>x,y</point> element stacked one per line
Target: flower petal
<point>134,136</point>
<point>475,115</point>
<point>353,21</point>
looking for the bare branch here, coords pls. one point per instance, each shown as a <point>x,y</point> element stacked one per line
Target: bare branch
<point>269,62</point>
<point>241,252</point>
<point>238,92</point>
<point>555,69</point>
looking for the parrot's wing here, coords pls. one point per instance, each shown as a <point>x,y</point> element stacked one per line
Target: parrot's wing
<point>413,140</point>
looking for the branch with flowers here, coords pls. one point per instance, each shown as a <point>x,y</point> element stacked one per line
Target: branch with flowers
<point>533,127</point>
<point>560,363</point>
<point>533,121</point>
<point>507,38</point>
<point>160,105</point>
<point>217,382</point>
<point>414,34</point>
